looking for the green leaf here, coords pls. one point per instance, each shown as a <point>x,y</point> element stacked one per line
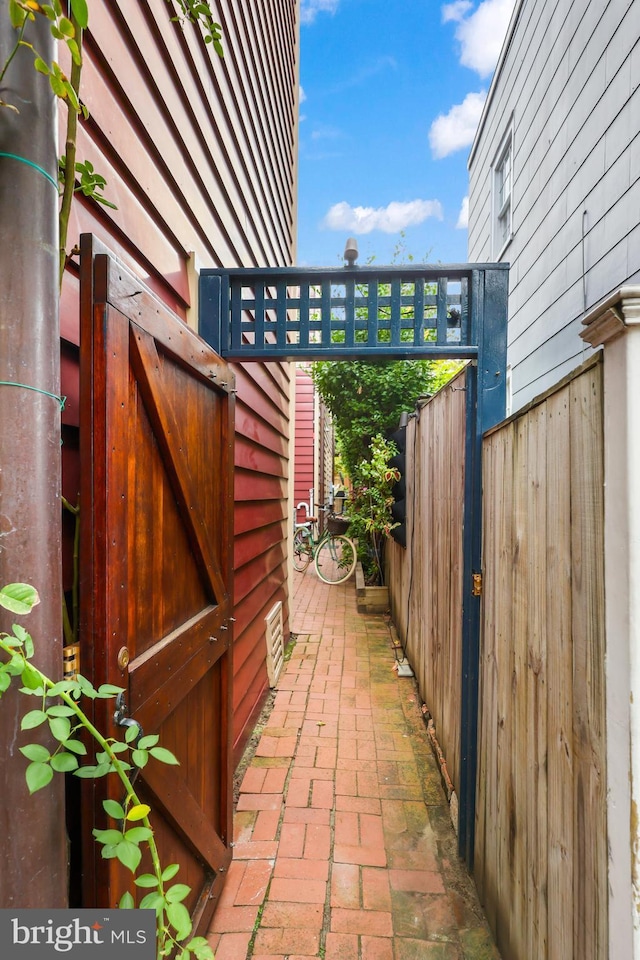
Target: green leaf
<point>146,880</point>
<point>138,834</point>
<point>63,686</point>
<point>169,872</point>
<point>19,632</point>
<point>76,746</point>
<point>35,752</point>
<point>201,948</point>
<point>71,95</point>
<point>129,854</point>
<point>60,727</point>
<point>131,733</point>
<point>140,758</point>
<point>88,772</point>
<point>66,28</point>
<point>114,809</point>
<point>18,597</point>
<point>177,892</point>
<point>17,14</point>
<point>31,678</point>
<point>152,901</point>
<point>5,681</point>
<point>86,687</point>
<point>64,762</point>
<point>33,719</point>
<point>60,710</point>
<point>148,741</point>
<point>118,747</point>
<point>81,13</point>
<point>179,919</point>
<point>109,837</point>
<point>109,690</point>
<point>109,851</point>
<point>139,812</point>
<point>74,50</point>
<point>127,902</point>
<point>38,776</point>
<point>164,755</point>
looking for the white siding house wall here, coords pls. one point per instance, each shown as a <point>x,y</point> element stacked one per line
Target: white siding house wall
<point>568,84</point>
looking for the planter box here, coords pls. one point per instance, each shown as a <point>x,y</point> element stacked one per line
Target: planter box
<point>370,599</point>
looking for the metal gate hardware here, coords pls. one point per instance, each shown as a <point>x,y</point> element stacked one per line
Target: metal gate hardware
<point>71,661</point>
<point>476,589</point>
<point>121,718</point>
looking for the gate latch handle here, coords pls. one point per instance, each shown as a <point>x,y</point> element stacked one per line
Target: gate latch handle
<point>120,715</point>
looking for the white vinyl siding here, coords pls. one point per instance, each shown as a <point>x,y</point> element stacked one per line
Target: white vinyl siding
<point>567,77</point>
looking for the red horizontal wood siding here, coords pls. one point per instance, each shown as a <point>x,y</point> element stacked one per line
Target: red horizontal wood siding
<point>305,443</point>
<point>199,156</point>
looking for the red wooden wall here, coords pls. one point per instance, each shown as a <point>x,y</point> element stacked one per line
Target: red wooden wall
<point>304,448</point>
<point>200,158</point>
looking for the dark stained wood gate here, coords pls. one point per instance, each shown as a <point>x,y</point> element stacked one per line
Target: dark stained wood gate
<point>157,407</point>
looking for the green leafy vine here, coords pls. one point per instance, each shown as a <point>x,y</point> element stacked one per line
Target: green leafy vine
<point>69,30</point>
<point>60,710</point>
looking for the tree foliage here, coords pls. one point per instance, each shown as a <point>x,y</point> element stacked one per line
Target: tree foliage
<point>366,397</point>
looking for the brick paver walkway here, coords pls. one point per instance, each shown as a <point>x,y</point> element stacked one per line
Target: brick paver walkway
<point>343,844</point>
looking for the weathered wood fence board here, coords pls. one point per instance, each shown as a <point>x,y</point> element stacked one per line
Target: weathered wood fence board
<point>541,843</point>
<point>541,857</point>
<point>426,599</point>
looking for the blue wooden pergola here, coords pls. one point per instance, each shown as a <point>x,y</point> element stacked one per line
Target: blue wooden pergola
<point>396,312</point>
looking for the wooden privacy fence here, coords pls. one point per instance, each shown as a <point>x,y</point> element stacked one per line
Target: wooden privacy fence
<point>540,821</point>
<point>541,843</point>
<point>425,580</point>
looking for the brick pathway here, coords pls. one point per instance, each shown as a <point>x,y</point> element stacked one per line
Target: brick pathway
<point>343,843</point>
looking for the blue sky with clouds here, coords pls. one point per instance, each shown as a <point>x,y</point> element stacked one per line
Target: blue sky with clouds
<point>391,94</point>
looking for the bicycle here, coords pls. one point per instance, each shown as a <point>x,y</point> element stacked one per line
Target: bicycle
<point>333,553</point>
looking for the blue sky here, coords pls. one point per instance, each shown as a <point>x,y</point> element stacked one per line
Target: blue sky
<point>391,95</point>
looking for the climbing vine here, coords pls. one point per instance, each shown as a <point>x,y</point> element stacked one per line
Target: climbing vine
<point>59,708</point>
<point>68,26</point>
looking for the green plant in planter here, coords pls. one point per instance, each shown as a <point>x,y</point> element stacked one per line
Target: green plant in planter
<point>58,708</point>
<point>370,507</point>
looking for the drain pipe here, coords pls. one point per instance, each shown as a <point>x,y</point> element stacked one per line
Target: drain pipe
<point>34,849</point>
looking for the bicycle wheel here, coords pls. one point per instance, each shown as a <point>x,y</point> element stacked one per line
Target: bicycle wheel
<point>335,559</point>
<point>301,549</point>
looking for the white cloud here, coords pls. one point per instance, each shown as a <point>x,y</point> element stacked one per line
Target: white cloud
<point>463,216</point>
<point>303,95</point>
<point>390,219</point>
<point>455,11</point>
<point>481,34</point>
<point>454,130</point>
<point>324,132</point>
<point>310,9</point>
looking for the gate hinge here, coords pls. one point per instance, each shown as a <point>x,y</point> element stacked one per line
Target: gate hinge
<point>71,661</point>
<point>476,586</point>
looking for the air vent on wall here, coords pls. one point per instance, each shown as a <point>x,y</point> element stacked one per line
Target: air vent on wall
<point>275,643</point>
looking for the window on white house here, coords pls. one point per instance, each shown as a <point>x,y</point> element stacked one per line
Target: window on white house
<point>502,195</point>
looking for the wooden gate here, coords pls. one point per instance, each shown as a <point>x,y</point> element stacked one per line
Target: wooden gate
<point>156,568</point>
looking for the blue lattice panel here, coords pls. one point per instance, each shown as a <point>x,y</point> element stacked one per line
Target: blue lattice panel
<point>360,311</point>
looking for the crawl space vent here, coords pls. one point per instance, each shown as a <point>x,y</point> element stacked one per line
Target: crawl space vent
<point>275,643</point>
